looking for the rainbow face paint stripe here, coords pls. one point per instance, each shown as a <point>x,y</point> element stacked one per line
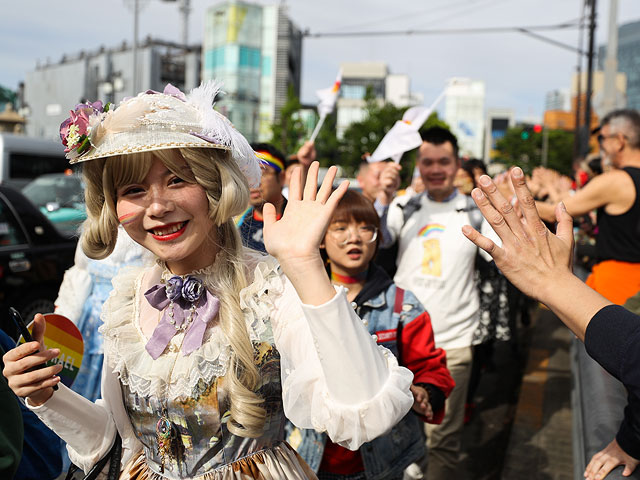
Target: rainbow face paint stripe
<point>268,159</point>
<point>127,218</point>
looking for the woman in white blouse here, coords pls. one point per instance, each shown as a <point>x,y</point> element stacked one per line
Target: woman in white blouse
<point>206,351</point>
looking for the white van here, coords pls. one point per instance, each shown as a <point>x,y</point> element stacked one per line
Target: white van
<point>24,158</point>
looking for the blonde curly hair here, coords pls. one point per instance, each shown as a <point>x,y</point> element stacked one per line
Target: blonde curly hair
<point>228,195</point>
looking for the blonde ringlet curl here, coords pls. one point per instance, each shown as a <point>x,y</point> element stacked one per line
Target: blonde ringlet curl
<point>228,195</point>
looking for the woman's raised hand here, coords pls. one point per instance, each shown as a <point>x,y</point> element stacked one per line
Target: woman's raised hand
<point>300,231</point>
<point>38,384</point>
<point>295,239</point>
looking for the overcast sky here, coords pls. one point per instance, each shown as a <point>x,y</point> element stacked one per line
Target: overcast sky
<point>518,70</point>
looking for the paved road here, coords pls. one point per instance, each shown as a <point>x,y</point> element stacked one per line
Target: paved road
<point>521,429</point>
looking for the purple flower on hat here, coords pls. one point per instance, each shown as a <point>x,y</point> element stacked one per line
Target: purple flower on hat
<point>207,138</point>
<point>174,92</point>
<point>192,289</point>
<point>174,288</point>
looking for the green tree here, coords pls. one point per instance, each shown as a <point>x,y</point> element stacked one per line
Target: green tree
<point>364,136</point>
<point>513,149</point>
<point>327,143</point>
<point>359,138</point>
<point>288,134</point>
<point>7,96</point>
<point>434,121</point>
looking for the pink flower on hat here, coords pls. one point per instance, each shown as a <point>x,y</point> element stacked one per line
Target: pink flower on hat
<point>74,131</point>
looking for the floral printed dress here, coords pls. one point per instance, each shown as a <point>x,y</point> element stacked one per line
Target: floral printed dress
<point>302,373</point>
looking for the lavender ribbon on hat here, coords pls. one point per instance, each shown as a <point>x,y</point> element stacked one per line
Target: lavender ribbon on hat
<point>180,296</point>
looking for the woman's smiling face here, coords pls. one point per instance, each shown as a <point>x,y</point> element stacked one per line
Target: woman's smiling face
<point>169,217</point>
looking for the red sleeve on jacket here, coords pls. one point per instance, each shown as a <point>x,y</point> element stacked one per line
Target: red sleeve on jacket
<point>428,363</point>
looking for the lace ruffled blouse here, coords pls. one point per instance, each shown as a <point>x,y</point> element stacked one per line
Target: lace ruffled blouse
<point>318,365</point>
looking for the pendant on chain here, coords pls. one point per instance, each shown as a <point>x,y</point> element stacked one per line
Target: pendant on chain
<point>164,435</point>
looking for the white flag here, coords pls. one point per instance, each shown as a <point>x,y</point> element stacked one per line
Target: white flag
<point>404,135</point>
<point>329,96</point>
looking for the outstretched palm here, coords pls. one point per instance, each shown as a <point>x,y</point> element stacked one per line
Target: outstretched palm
<point>298,234</point>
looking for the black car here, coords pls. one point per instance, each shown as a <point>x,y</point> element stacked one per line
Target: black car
<point>33,259</point>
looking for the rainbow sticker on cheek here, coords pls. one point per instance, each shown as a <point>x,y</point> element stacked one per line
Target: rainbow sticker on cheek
<point>127,218</point>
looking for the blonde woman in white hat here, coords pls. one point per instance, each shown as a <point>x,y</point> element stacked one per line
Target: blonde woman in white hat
<point>206,351</point>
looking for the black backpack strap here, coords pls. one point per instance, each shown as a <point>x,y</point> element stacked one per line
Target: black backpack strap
<point>475,215</point>
<point>411,207</point>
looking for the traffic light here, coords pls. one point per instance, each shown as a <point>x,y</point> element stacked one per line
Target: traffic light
<point>529,130</point>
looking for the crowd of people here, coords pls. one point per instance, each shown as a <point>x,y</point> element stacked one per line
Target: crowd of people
<point>271,326</point>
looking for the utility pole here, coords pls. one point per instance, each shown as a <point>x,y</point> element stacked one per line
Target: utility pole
<point>611,63</point>
<point>584,147</point>
<point>136,11</point>
<point>545,146</point>
<point>185,9</point>
<point>578,130</point>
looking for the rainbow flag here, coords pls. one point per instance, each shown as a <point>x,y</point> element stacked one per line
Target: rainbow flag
<point>61,333</point>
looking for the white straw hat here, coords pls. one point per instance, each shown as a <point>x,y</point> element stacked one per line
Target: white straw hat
<point>156,121</point>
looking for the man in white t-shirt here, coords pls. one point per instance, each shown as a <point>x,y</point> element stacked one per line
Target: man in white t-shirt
<point>436,262</point>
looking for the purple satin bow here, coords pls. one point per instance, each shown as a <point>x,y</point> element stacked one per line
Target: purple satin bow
<point>159,297</point>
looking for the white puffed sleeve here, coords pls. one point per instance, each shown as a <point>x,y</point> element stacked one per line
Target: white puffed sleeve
<point>88,428</point>
<point>334,376</point>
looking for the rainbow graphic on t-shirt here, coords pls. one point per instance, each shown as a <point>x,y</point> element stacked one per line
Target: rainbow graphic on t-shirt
<point>431,229</point>
<point>429,236</point>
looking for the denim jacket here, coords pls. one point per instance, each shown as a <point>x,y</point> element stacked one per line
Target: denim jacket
<point>386,456</point>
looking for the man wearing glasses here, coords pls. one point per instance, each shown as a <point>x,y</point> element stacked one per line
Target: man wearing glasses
<point>616,196</point>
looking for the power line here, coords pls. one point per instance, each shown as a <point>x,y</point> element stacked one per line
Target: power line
<point>461,12</point>
<point>443,31</point>
<point>566,46</point>
<point>412,15</point>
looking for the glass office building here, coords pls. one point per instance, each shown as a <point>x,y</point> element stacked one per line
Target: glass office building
<point>255,50</point>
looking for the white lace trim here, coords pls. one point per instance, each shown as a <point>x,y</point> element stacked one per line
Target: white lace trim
<point>124,341</point>
<point>257,299</point>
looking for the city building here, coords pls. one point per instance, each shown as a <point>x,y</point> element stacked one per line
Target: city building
<point>106,74</point>
<point>256,51</point>
<point>499,120</point>
<point>11,121</point>
<point>464,112</point>
<point>628,60</point>
<point>565,118</point>
<point>385,87</point>
<point>559,99</point>
<point>561,119</point>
